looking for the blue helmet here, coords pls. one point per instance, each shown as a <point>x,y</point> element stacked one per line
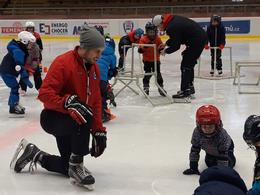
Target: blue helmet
<point>139,32</point>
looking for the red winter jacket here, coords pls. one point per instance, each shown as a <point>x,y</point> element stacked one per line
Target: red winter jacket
<point>67,76</point>
<point>131,36</point>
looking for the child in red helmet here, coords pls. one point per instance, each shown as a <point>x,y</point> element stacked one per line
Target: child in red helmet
<point>210,136</point>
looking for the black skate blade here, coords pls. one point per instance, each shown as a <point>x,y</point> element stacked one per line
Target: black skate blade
<point>22,145</point>
<point>89,187</point>
<point>182,100</point>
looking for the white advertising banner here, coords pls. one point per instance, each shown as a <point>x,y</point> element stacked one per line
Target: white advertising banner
<point>117,27</point>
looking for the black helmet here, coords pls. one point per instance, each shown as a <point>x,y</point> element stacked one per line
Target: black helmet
<point>150,27</point>
<point>216,18</point>
<point>151,30</point>
<point>252,130</point>
<point>100,29</point>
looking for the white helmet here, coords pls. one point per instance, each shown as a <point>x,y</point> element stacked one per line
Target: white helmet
<point>157,20</point>
<point>29,24</point>
<point>25,37</point>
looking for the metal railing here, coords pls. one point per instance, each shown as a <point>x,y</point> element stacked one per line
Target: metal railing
<point>89,12</point>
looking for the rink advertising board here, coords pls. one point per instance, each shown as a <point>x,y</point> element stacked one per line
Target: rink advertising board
<point>118,27</point>
<point>232,27</point>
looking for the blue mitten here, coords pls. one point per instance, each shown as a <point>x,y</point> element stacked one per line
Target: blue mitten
<point>25,78</point>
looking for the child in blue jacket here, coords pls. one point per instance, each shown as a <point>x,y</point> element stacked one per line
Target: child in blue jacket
<point>13,65</point>
<point>107,65</point>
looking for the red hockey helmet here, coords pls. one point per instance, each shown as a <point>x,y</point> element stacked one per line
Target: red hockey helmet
<point>208,115</point>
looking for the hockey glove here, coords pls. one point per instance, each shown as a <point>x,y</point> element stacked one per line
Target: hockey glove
<point>25,78</point>
<point>99,143</point>
<point>140,50</point>
<point>206,46</point>
<point>78,111</point>
<point>191,172</point>
<point>221,46</point>
<point>114,72</point>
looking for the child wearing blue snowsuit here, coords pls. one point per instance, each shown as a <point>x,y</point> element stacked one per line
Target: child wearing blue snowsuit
<point>11,67</point>
<point>107,65</point>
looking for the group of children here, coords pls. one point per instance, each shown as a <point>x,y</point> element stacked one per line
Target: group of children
<point>22,60</point>
<point>31,62</point>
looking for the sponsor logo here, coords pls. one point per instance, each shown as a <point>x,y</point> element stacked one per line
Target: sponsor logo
<point>14,29</point>
<point>128,26</point>
<point>58,28</point>
<point>232,27</point>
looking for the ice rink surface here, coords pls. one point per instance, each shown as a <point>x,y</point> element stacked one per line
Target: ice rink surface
<point>148,147</point>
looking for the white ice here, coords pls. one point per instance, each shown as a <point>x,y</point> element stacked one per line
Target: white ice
<point>148,147</point>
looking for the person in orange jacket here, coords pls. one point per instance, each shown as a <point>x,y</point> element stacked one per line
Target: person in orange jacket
<point>151,37</point>
<point>132,37</point>
<point>71,97</point>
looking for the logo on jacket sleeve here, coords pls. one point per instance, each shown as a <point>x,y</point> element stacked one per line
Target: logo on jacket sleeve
<point>94,76</point>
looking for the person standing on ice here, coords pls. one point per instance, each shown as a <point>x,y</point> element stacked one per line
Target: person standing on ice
<point>217,38</point>
<point>132,37</point>
<point>12,66</point>
<point>151,37</point>
<point>30,27</point>
<point>72,111</point>
<point>182,30</point>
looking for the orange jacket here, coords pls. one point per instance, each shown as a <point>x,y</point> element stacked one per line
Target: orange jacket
<point>67,76</point>
<point>148,55</point>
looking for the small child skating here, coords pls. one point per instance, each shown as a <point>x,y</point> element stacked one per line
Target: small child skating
<point>12,66</point>
<point>217,38</point>
<point>107,65</point>
<point>151,37</point>
<point>132,37</point>
<point>210,136</point>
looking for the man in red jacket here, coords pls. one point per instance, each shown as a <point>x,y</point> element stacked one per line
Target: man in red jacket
<point>72,110</point>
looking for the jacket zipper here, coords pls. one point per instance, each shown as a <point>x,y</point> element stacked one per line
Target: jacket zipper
<point>88,88</point>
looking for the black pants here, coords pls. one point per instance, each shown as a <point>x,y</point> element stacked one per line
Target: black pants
<point>103,90</point>
<point>70,138</point>
<point>37,80</point>
<point>123,41</point>
<point>189,60</point>
<point>148,68</point>
<point>218,59</point>
<point>212,160</point>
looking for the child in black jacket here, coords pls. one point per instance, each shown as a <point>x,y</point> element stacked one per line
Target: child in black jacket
<point>217,38</point>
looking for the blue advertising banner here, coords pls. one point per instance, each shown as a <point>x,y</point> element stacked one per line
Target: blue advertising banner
<point>232,27</point>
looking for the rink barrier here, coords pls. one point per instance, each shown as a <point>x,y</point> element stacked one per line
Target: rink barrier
<point>128,77</point>
<point>216,77</point>
<point>237,78</point>
<point>117,37</point>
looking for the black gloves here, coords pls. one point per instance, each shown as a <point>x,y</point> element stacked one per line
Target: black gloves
<point>99,143</point>
<point>140,50</point>
<point>78,111</point>
<point>193,170</point>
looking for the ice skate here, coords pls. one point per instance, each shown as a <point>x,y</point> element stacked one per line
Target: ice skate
<point>192,92</point>
<point>220,73</point>
<point>146,90</point>
<point>78,174</point>
<point>211,72</point>
<point>162,92</point>
<point>30,155</point>
<point>182,97</point>
<point>16,111</point>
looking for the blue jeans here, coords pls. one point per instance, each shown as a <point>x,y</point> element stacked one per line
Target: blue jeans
<point>11,82</point>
